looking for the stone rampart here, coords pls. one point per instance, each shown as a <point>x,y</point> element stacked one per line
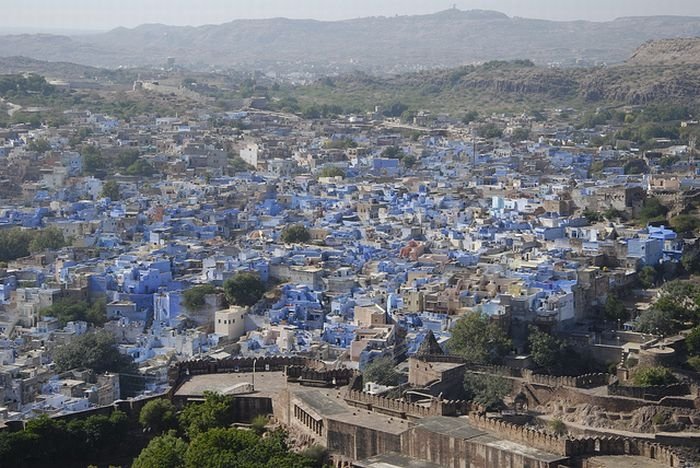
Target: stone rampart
<point>576,447</point>
<point>305,376</point>
<point>404,409</point>
<point>655,392</point>
<point>181,370</point>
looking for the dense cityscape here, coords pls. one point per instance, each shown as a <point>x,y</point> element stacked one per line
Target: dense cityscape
<point>215,269</point>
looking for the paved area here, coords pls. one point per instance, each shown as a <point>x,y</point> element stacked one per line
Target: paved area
<point>624,462</point>
<point>267,384</point>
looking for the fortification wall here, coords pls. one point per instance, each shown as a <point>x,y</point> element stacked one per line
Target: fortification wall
<point>577,447</point>
<point>404,409</point>
<point>655,393</point>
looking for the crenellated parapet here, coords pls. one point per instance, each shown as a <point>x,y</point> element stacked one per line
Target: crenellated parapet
<point>404,409</point>
<point>180,371</point>
<point>576,447</point>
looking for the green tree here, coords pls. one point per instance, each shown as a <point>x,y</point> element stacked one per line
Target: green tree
<point>656,321</point>
<point>259,424</point>
<point>694,362</point>
<point>194,298</point>
<point>490,130</point>
<point>486,390</point>
<point>469,117</point>
<point>97,351</point>
<point>40,145</point>
<point>557,426</point>
<point>94,163</point>
<point>236,164</point>
<point>382,372</point>
<point>219,447</point>
<point>615,309</point>
<point>636,166</point>
<point>14,244</point>
<point>50,238</point>
<point>70,310</point>
<point>652,211</point>
<point>295,234</point>
<point>692,341</point>
<point>331,171</point>
<point>140,167</point>
<point>691,259</point>
<point>685,224</point>
<point>478,340</point>
<point>650,376</point>
<point>392,152</point>
<point>215,411</point>
<point>165,451</point>
<point>244,288</point>
<point>158,416</point>
<point>647,276</point>
<point>110,190</point>
<point>409,161</point>
<point>520,134</point>
<point>544,348</point>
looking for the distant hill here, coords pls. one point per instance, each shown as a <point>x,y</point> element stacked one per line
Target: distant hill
<point>681,51</point>
<point>377,44</point>
<point>511,86</point>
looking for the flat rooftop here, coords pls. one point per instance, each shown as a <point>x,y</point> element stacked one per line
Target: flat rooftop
<point>267,384</point>
<point>394,460</point>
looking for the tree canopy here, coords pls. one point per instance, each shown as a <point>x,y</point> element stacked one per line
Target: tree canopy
<point>165,451</point>
<point>158,416</point>
<point>650,376</point>
<point>382,372</point>
<point>194,298</point>
<point>544,348</point>
<point>110,190</point>
<point>486,390</point>
<point>295,234</point>
<point>69,310</point>
<point>97,351</point>
<point>244,288</point>
<point>478,339</point>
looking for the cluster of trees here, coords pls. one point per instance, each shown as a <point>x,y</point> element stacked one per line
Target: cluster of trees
<point>650,376</point>
<point>677,307</point>
<point>13,86</point>
<point>45,441</point>
<point>331,171</point>
<point>641,127</point>
<point>194,298</point>
<point>110,189</point>
<point>382,371</point>
<point>17,243</point>
<point>692,343</point>
<point>244,289</point>
<point>653,211</point>
<point>200,436</point>
<point>479,340</point>
<point>236,164</point>
<point>128,162</point>
<point>486,390</point>
<point>394,152</point>
<point>342,143</point>
<point>295,234</point>
<point>97,351</point>
<point>71,310</point>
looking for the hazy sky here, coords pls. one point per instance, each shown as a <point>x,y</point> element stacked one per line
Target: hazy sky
<point>102,14</point>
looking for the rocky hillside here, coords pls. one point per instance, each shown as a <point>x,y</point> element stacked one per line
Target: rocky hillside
<point>514,85</point>
<point>682,51</point>
<point>378,44</point>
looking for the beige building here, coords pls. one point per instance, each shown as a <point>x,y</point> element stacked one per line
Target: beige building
<point>230,323</point>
